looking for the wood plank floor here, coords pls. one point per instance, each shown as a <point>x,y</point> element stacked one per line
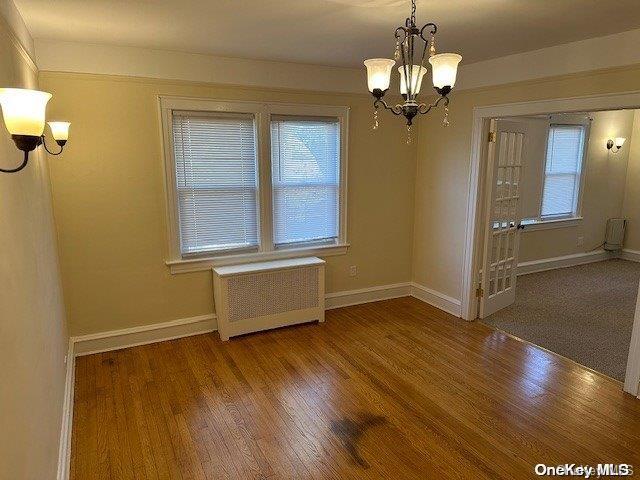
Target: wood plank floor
<point>394,389</point>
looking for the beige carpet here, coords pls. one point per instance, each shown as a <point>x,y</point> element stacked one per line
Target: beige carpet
<point>584,313</point>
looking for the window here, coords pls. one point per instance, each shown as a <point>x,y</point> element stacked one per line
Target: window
<point>250,181</point>
<point>305,163</point>
<point>562,174</point>
<point>215,163</point>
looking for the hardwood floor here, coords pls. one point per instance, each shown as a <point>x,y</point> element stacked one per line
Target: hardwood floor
<point>394,389</point>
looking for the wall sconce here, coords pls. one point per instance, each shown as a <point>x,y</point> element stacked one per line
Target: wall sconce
<point>24,116</point>
<point>618,142</point>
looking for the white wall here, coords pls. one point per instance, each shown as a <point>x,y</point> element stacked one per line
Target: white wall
<point>33,338</point>
<point>605,176</point>
<point>631,206</point>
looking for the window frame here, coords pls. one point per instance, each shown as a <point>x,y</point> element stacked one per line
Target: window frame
<point>262,112</point>
<point>575,218</point>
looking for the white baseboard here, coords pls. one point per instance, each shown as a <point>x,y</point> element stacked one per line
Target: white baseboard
<point>158,332</point>
<point>142,335</point>
<point>437,299</point>
<point>631,255</point>
<point>366,295</point>
<point>544,264</point>
<point>64,448</point>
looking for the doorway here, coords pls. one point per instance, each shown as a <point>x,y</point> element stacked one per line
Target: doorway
<point>494,182</point>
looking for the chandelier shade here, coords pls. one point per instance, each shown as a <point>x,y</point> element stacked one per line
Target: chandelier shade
<point>59,131</point>
<point>444,67</point>
<point>379,73</point>
<point>417,72</point>
<point>412,46</point>
<point>24,110</point>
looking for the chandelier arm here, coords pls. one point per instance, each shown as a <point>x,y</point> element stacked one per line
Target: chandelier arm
<point>398,32</point>
<point>424,51</point>
<point>406,70</point>
<point>396,109</point>
<point>434,29</point>
<point>44,144</point>
<point>19,167</point>
<point>424,108</point>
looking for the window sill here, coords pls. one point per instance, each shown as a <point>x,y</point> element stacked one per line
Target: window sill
<point>552,224</point>
<point>201,264</point>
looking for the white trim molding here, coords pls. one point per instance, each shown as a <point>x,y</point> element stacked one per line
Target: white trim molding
<point>437,299</point>
<point>366,295</point>
<point>64,448</point>
<point>563,261</point>
<point>184,327</point>
<point>261,113</point>
<point>552,224</point>
<point>631,255</point>
<point>200,264</point>
<point>609,51</point>
<point>632,374</point>
<point>481,117</point>
<point>76,57</point>
<point>143,335</point>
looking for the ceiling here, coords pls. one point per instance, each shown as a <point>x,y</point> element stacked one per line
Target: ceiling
<point>325,32</point>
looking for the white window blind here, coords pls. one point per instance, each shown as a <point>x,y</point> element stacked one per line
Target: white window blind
<point>562,171</point>
<point>305,164</point>
<point>216,181</point>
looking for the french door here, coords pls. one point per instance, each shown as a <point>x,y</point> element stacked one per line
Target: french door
<point>502,216</point>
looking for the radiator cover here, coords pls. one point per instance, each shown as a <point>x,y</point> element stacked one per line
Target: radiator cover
<point>259,296</point>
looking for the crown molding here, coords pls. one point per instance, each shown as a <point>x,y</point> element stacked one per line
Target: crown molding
<point>12,25</point>
<point>54,56</point>
<point>600,53</point>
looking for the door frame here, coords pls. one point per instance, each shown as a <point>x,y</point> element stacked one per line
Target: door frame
<point>473,231</point>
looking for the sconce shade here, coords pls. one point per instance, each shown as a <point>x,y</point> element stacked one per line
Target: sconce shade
<point>378,73</point>
<point>619,141</point>
<point>59,130</point>
<point>24,110</point>
<point>445,69</point>
<point>417,72</point>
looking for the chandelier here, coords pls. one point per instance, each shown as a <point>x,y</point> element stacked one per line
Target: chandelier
<point>410,40</point>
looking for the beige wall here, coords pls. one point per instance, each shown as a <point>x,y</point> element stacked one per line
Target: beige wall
<point>109,200</point>
<point>631,207</point>
<point>33,340</point>
<point>443,164</point>
<point>603,190</point>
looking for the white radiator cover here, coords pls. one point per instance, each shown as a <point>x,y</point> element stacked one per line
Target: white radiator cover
<point>614,237</point>
<point>258,296</point>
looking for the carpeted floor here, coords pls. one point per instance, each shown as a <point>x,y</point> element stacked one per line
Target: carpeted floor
<point>584,313</point>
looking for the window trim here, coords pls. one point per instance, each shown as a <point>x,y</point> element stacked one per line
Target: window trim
<point>262,112</point>
<point>562,221</point>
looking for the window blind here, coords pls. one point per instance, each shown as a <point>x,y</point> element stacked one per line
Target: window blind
<point>215,163</point>
<point>562,171</point>
<point>305,164</point>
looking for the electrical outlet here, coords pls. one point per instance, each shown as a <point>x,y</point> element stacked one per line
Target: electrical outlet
<point>580,240</point>
<point>353,271</point>
<point>65,359</point>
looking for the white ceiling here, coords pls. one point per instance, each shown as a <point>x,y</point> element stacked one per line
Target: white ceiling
<point>325,32</point>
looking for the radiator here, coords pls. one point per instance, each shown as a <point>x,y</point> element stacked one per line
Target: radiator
<point>614,236</point>
<point>258,296</point>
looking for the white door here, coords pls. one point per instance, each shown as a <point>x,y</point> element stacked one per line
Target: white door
<point>502,216</point>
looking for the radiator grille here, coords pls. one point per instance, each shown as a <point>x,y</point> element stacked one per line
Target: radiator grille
<point>269,293</point>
